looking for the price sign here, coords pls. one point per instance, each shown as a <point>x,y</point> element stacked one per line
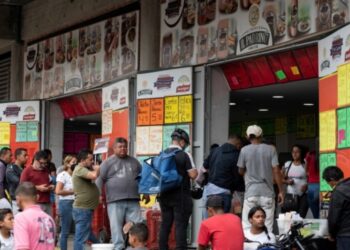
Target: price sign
<point>185,108</point>
<point>157,111</point>
<point>143,112</point>
<point>171,110</point>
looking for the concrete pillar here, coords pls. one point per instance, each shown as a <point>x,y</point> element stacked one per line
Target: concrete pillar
<point>55,132</point>
<point>149,35</point>
<point>16,86</point>
<point>219,111</point>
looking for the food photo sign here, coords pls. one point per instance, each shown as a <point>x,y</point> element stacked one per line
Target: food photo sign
<point>196,32</point>
<point>83,58</point>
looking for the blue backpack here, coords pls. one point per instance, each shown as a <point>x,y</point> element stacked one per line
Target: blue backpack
<point>159,174</point>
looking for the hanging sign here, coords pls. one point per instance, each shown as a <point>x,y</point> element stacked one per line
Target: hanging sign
<point>116,96</point>
<point>19,111</point>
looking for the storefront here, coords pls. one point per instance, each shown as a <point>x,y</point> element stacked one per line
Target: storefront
<point>261,65</point>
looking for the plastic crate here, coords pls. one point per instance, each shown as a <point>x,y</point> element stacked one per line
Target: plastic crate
<point>153,218</point>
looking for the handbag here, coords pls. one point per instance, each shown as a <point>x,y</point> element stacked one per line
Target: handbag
<point>291,201</point>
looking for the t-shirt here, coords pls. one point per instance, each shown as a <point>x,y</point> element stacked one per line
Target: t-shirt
<point>66,180</point>
<point>38,177</point>
<point>119,175</point>
<point>262,238</point>
<point>7,244</point>
<point>85,190</point>
<point>258,159</point>
<point>298,174</point>
<point>34,230</point>
<point>223,231</point>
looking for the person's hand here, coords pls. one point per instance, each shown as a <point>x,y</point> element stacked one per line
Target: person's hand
<point>304,188</point>
<point>42,188</point>
<point>127,227</point>
<point>51,187</point>
<point>290,181</point>
<point>146,198</point>
<point>330,238</point>
<point>96,167</point>
<point>280,198</point>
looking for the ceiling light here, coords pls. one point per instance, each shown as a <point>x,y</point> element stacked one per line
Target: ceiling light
<point>308,104</point>
<point>71,119</point>
<point>278,97</point>
<point>92,123</point>
<point>233,104</point>
<point>263,110</point>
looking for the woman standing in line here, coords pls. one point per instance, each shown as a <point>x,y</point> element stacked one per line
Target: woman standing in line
<point>64,189</point>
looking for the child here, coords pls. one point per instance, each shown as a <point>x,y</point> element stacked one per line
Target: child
<point>138,235</point>
<point>6,227</point>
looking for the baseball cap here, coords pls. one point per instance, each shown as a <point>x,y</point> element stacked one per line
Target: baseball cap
<point>215,201</point>
<point>254,130</point>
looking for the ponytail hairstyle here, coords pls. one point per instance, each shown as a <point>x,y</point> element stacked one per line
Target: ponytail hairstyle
<point>252,213</point>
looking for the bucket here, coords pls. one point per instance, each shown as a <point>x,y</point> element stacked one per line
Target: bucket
<point>102,246</point>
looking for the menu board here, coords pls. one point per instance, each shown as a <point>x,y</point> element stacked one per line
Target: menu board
<point>5,133</point>
<point>185,108</point>
<point>281,125</point>
<point>327,130</point>
<point>107,121</point>
<point>142,140</point>
<point>306,126</point>
<point>21,131</point>
<point>343,87</point>
<point>326,160</point>
<point>143,112</point>
<point>167,131</point>
<point>157,111</point>
<point>32,131</point>
<point>155,139</point>
<point>171,110</point>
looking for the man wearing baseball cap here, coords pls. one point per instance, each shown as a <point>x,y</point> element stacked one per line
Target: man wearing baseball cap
<point>222,230</point>
<point>258,163</point>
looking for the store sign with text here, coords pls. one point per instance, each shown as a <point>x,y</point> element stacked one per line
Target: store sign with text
<point>13,112</point>
<point>83,58</point>
<point>164,83</point>
<point>197,32</point>
<point>333,51</point>
<point>116,96</point>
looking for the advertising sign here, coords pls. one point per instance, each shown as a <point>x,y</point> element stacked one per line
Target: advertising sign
<point>197,32</point>
<point>116,96</point>
<point>83,58</point>
<point>19,111</point>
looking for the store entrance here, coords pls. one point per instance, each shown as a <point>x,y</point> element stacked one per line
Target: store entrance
<point>80,132</point>
<point>287,113</point>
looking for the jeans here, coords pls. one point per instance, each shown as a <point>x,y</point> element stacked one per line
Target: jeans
<point>65,208</point>
<point>178,211</point>
<point>47,208</point>
<point>313,196</point>
<point>83,232</point>
<point>267,203</point>
<point>119,213</point>
<point>343,243</point>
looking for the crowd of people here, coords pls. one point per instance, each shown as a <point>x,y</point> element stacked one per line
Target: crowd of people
<point>250,171</point>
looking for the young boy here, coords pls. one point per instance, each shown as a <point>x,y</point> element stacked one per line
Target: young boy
<point>138,235</point>
<point>6,227</point>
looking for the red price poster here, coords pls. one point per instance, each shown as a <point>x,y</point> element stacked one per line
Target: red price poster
<point>143,112</point>
<point>157,111</point>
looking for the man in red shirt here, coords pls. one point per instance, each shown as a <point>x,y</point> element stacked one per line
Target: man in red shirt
<point>39,175</point>
<point>223,231</point>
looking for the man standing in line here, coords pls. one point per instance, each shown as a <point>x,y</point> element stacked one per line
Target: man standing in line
<point>223,172</point>
<point>5,159</point>
<point>176,204</point>
<point>119,174</point>
<point>33,229</point>
<point>258,163</point>
<point>86,198</point>
<point>39,175</point>
<point>13,175</point>
<point>339,207</point>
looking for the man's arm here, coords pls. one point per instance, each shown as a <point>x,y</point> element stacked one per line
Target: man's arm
<point>334,213</point>
<point>92,175</point>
